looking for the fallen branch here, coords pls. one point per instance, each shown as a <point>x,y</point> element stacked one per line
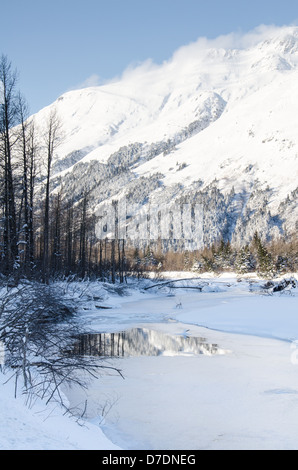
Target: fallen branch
<point>102,307</point>
<point>161,284</point>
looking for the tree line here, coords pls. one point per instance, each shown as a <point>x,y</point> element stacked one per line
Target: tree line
<point>20,157</point>
<point>41,234</point>
<point>268,259</point>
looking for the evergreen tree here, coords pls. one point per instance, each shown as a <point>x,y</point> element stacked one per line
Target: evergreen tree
<point>264,258</point>
<point>223,256</point>
<point>244,261</point>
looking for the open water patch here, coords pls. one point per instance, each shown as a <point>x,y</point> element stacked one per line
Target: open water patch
<point>140,341</point>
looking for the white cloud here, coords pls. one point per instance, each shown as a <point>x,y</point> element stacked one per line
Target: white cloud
<point>234,40</point>
<point>200,48</point>
<point>93,80</point>
<point>197,49</point>
<point>139,69</point>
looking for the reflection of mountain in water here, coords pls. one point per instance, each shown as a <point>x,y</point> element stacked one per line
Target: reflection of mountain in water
<point>143,342</point>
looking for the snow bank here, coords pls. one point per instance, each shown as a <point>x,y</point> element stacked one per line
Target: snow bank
<point>41,427</point>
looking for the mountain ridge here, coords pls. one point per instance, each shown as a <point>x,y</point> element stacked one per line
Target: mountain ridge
<point>207,118</point>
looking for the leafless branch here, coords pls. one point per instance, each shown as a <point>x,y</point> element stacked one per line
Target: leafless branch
<point>39,332</point>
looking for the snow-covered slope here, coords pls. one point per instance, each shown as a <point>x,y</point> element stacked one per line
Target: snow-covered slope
<point>211,125</point>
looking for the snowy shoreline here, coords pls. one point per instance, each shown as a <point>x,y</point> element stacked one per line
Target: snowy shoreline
<point>260,330</point>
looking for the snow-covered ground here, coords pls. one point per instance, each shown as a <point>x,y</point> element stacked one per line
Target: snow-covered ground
<point>246,397</point>
<point>42,427</point>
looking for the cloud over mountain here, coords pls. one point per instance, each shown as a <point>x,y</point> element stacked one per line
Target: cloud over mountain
<point>216,123</point>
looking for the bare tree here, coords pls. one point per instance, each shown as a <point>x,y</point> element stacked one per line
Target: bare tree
<point>31,168</point>
<point>56,235</point>
<point>27,181</point>
<point>8,119</point>
<point>83,233</point>
<point>69,256</point>
<point>52,139</point>
<point>40,331</point>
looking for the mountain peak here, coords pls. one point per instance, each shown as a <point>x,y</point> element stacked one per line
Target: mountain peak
<point>213,114</point>
<point>284,41</point>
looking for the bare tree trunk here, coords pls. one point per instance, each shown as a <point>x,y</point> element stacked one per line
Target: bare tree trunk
<point>83,231</point>
<point>113,270</point>
<point>23,113</point>
<point>31,175</point>
<point>56,255</point>
<point>69,258</point>
<point>8,118</point>
<point>52,139</point>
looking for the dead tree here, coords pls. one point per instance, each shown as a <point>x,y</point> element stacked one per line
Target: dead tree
<point>27,164</point>
<point>8,119</point>
<point>52,139</point>
<point>39,332</point>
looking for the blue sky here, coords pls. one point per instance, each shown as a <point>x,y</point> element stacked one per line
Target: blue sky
<point>58,45</point>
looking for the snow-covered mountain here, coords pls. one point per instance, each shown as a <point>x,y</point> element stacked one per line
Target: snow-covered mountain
<point>213,126</point>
